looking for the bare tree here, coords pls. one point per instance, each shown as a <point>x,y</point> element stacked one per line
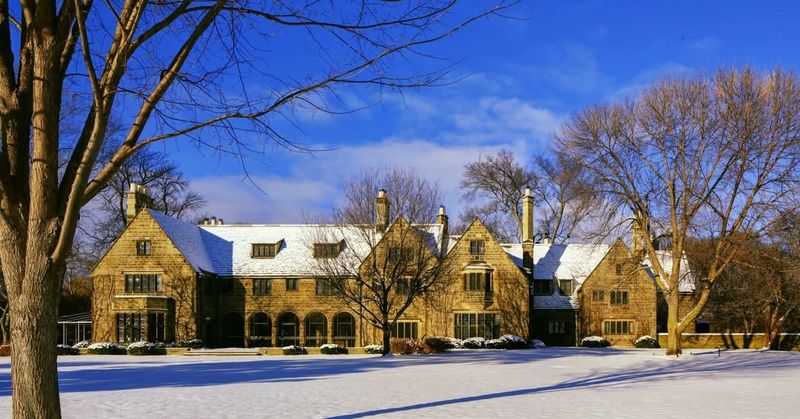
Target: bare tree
<point>696,158</point>
<point>381,267</point>
<point>566,196</point>
<point>168,189</point>
<point>494,186</point>
<point>182,69</point>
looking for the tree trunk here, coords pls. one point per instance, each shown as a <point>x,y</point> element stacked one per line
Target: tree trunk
<point>387,339</point>
<point>34,374</point>
<point>673,333</point>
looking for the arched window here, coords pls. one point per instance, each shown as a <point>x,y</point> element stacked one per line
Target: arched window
<point>316,329</point>
<point>344,329</point>
<point>260,330</point>
<point>288,329</point>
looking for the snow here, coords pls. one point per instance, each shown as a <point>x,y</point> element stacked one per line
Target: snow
<point>551,382</point>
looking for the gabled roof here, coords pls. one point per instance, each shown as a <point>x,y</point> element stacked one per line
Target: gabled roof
<point>193,243</point>
<point>562,261</point>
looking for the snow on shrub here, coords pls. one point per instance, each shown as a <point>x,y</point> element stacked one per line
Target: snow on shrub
<point>374,349</point>
<point>82,344</point>
<point>507,342</point>
<point>294,350</point>
<point>105,348</point>
<point>537,344</point>
<point>646,341</point>
<point>439,344</point>
<point>332,349</point>
<point>66,350</point>
<point>595,342</point>
<point>146,348</point>
<point>406,346</point>
<point>191,343</point>
<point>473,343</point>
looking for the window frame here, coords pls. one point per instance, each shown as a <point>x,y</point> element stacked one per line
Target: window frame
<point>549,287</point>
<point>295,284</point>
<point>619,327</point>
<point>144,247</point>
<point>263,250</point>
<point>619,298</point>
<point>478,324</point>
<point>405,329</point>
<point>598,295</point>
<point>262,286</point>
<point>142,283</point>
<point>571,287</point>
<point>477,247</point>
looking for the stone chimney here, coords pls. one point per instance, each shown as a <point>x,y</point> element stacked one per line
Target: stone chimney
<point>527,229</point>
<point>137,198</point>
<point>637,237</point>
<point>382,211</point>
<point>442,219</point>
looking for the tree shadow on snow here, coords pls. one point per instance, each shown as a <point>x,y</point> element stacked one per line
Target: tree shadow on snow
<point>697,366</point>
<point>127,373</point>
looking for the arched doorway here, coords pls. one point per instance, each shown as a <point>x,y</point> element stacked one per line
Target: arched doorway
<point>288,329</point>
<point>260,330</point>
<point>344,329</point>
<point>233,330</point>
<point>316,329</point>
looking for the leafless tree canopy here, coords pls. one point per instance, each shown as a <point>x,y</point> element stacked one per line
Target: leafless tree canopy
<point>224,74</point>
<point>381,273</point>
<point>493,187</point>
<point>706,157</point>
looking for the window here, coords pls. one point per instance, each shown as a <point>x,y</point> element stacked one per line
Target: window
<point>326,250</point>
<point>129,327</point>
<point>478,281</point>
<point>291,284</point>
<point>326,287</point>
<point>618,327</point>
<point>404,330</point>
<point>402,286</point>
<point>485,325</point>
<point>476,247</point>
<point>618,269</point>
<point>262,286</point>
<point>145,283</point>
<point>260,327</point>
<point>316,329</point>
<point>397,254</point>
<point>556,327</point>
<point>598,295</point>
<point>565,286</point>
<point>619,297</point>
<point>344,329</point>
<point>542,287</point>
<point>263,250</point>
<point>155,327</point>
<point>143,248</point>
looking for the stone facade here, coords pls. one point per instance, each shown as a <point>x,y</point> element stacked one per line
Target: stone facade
<point>618,299</point>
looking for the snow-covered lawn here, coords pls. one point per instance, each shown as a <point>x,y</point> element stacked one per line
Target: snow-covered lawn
<point>553,382</point>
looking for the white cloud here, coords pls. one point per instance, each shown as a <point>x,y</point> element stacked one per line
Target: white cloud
<point>647,77</point>
<point>706,44</point>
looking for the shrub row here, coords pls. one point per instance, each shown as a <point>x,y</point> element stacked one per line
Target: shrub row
<point>595,342</point>
<point>332,349</point>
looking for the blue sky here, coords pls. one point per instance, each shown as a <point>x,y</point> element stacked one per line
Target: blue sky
<point>522,79</point>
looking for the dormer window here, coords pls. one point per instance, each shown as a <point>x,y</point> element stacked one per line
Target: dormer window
<point>264,250</point>
<point>327,250</point>
<point>476,247</point>
<point>143,248</point>
<point>542,287</point>
<point>565,286</point>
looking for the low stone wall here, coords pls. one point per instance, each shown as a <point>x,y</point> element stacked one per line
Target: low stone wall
<point>787,341</point>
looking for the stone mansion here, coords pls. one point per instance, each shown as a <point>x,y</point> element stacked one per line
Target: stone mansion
<point>167,280</point>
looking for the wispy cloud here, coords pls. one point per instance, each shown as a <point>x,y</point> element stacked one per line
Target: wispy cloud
<point>706,44</point>
<point>646,77</point>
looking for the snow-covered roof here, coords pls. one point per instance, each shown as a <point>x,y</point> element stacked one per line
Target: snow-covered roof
<point>191,241</point>
<point>226,250</point>
<point>686,282</point>
<point>560,261</point>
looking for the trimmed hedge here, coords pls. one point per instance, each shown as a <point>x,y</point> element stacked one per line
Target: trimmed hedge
<point>439,344</point>
<point>473,343</point>
<point>595,342</point>
<point>66,350</point>
<point>146,348</point>
<point>105,348</point>
<point>191,343</point>
<point>646,341</point>
<point>294,350</point>
<point>537,344</point>
<point>332,349</point>
<point>374,349</point>
<point>507,342</point>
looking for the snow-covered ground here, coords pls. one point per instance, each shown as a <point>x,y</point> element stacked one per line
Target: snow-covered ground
<point>553,382</point>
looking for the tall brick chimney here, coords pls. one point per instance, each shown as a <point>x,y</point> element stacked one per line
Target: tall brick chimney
<point>637,237</point>
<point>137,198</point>
<point>527,229</point>
<point>382,211</point>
